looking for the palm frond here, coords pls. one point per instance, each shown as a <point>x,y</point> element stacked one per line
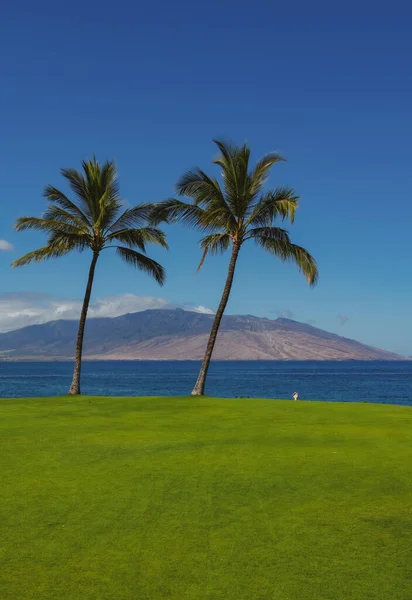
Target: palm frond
<point>281,203</point>
<point>199,186</point>
<point>93,220</point>
<point>92,177</point>
<point>142,262</point>
<point>73,241</point>
<point>219,218</point>
<point>227,148</point>
<point>139,237</point>
<point>214,243</point>
<point>79,187</point>
<point>133,217</point>
<point>110,201</point>
<point>229,162</point>
<point>103,191</point>
<point>244,198</point>
<point>109,181</point>
<point>108,211</point>
<point>206,192</point>
<point>290,252</point>
<point>40,224</point>
<point>174,211</point>
<point>54,195</point>
<point>260,173</point>
<point>51,251</point>
<point>60,215</point>
<point>275,233</point>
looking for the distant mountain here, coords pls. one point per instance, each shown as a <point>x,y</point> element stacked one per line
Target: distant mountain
<point>182,335</point>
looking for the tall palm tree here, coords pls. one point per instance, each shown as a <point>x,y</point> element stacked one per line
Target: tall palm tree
<point>232,214</point>
<point>93,220</point>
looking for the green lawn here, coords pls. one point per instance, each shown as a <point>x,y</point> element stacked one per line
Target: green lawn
<point>186,499</point>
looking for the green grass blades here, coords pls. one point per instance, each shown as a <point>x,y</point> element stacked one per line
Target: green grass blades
<point>186,499</point>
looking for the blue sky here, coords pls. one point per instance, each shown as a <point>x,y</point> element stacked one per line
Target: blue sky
<point>151,86</point>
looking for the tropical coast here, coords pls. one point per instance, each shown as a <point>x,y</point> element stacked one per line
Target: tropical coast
<point>205,302</point>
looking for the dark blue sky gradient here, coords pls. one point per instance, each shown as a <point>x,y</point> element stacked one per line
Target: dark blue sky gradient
<point>152,85</point>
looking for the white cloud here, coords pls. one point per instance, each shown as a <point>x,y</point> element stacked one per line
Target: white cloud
<point>283,313</point>
<point>6,246</point>
<point>201,309</point>
<point>31,308</point>
<point>114,306</point>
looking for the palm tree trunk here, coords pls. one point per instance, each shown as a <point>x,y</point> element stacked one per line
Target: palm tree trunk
<point>199,388</point>
<point>75,386</point>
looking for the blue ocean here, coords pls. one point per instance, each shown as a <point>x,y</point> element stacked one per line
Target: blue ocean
<point>352,381</point>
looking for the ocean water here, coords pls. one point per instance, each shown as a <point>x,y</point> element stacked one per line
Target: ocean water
<point>352,381</point>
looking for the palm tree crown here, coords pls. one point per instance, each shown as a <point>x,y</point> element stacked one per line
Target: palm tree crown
<point>238,211</point>
<point>94,220</point>
<point>231,214</point>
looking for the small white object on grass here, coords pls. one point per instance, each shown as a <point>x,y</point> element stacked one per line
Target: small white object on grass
<point>295,395</point>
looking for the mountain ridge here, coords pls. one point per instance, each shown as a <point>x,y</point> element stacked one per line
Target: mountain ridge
<point>176,334</point>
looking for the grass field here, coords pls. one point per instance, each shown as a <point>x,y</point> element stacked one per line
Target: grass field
<point>186,499</point>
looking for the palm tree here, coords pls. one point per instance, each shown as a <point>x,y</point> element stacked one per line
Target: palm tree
<point>233,214</point>
<point>93,220</point>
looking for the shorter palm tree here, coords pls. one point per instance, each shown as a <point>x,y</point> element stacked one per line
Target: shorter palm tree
<point>232,215</point>
<point>94,221</point>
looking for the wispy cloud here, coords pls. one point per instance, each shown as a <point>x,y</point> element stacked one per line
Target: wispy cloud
<point>343,319</point>
<point>6,246</point>
<point>283,313</point>
<point>32,308</point>
<point>200,309</point>
<point>191,307</point>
